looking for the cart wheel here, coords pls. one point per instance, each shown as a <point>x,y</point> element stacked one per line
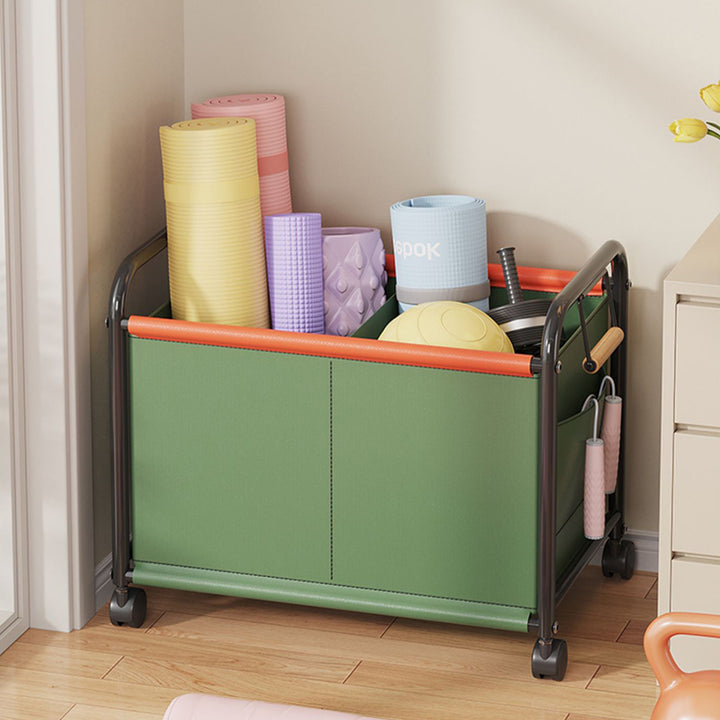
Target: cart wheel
<point>618,557</point>
<point>553,666</point>
<point>132,613</point>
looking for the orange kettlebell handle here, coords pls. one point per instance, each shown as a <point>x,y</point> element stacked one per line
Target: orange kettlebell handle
<point>657,641</point>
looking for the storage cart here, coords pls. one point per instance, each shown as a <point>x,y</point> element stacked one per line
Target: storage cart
<point>364,475</point>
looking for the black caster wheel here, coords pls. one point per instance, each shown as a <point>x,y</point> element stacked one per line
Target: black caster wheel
<point>618,557</point>
<point>132,613</point>
<point>554,665</point>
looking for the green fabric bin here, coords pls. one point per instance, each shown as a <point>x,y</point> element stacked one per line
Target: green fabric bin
<point>350,483</point>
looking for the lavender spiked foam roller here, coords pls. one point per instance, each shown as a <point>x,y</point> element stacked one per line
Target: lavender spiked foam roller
<point>522,320</point>
<point>355,277</point>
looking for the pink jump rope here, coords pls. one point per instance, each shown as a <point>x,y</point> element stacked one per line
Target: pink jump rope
<point>610,434</point>
<point>594,506</point>
<point>601,460</point>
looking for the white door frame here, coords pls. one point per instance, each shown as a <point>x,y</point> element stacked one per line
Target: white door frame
<point>18,621</point>
<point>51,312</point>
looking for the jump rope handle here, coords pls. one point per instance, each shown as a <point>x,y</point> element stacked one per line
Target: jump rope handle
<point>594,498</point>
<point>610,434</point>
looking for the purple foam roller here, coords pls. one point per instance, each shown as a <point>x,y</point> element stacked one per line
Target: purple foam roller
<point>293,247</point>
<point>355,277</point>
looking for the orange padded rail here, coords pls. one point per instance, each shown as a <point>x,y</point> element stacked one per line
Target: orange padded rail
<point>540,279</point>
<point>330,346</point>
<point>531,278</point>
<point>390,264</point>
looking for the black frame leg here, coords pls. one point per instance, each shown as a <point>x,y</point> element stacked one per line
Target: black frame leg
<point>550,653</point>
<point>128,604</point>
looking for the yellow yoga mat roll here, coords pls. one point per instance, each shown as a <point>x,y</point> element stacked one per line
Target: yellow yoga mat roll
<point>216,252</point>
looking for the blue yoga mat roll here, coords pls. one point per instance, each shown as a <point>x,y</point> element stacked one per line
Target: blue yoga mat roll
<point>440,246</point>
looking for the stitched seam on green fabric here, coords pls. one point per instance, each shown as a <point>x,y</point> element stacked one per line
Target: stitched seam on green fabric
<point>575,509</point>
<point>330,357</point>
<point>336,585</point>
<point>332,557</point>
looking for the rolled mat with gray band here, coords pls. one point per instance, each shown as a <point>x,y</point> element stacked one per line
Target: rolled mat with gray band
<point>268,112</point>
<point>440,246</point>
<point>216,254</point>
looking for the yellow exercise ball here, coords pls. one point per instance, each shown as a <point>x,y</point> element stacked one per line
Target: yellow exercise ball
<point>448,324</point>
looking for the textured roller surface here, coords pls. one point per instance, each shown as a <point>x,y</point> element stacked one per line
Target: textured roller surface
<point>610,435</point>
<point>594,500</point>
<point>293,244</point>
<point>354,276</point>
<point>448,324</point>
<point>440,245</point>
<point>268,111</point>
<point>216,257</point>
<point>212,707</point>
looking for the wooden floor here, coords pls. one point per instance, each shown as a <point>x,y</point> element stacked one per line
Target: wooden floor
<point>371,665</point>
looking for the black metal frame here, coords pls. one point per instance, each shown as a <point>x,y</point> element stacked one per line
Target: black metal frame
<point>116,323</point>
<point>610,255</point>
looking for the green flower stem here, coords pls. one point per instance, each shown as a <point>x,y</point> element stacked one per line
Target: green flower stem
<point>714,134</point>
<point>717,127</point>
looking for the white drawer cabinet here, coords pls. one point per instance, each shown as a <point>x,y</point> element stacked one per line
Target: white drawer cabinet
<point>689,574</point>
<point>697,371</point>
<point>696,495</point>
<point>689,542</point>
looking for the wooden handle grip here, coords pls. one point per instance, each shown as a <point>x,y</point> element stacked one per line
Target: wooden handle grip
<point>603,349</point>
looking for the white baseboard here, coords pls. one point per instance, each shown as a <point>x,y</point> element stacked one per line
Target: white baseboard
<point>646,550</point>
<point>103,582</point>
<point>11,628</point>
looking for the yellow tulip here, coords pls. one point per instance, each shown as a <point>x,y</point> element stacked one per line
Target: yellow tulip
<point>688,130</point>
<point>711,96</point>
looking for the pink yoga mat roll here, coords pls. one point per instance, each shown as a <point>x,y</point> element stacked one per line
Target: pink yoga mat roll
<point>268,111</point>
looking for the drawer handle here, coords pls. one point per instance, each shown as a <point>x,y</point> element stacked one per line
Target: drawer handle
<point>603,349</point>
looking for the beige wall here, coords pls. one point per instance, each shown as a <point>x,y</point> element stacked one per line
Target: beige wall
<point>134,84</point>
<point>554,112</point>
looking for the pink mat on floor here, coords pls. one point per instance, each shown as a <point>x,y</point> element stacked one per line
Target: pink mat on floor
<point>212,707</point>
<point>268,111</point>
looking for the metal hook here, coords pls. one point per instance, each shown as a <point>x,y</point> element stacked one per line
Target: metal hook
<point>607,379</point>
<point>593,399</point>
